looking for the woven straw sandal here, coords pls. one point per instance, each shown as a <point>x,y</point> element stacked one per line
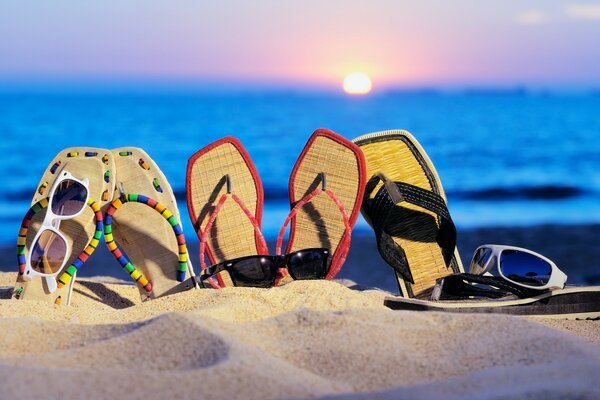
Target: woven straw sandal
<point>145,235</point>
<point>406,206</point>
<point>82,233</point>
<point>225,200</point>
<point>326,187</point>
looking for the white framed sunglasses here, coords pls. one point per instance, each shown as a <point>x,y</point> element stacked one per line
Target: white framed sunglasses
<point>520,266</point>
<point>49,249</point>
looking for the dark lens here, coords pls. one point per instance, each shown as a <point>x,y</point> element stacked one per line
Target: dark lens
<point>259,271</point>
<point>480,259</point>
<point>69,198</point>
<point>48,253</point>
<point>307,264</point>
<point>524,268</point>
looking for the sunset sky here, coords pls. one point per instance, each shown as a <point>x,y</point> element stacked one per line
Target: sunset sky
<point>310,43</point>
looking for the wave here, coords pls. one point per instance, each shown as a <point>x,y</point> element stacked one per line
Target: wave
<point>271,193</point>
<point>546,192</point>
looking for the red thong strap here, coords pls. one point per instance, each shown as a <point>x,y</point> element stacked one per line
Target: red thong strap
<point>345,241</point>
<point>262,244</point>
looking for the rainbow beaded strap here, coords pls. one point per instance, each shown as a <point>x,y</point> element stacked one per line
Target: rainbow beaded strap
<point>120,255</point>
<point>68,273</point>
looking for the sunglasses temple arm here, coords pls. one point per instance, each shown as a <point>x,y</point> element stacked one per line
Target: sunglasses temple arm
<point>51,282</point>
<point>496,283</point>
<point>557,277</point>
<point>204,276</point>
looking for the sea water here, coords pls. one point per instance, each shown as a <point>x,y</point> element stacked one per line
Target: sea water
<point>505,158</point>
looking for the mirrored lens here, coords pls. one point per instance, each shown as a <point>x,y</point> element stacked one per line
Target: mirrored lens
<point>480,260</point>
<point>259,271</point>
<point>307,264</point>
<point>48,253</point>
<point>525,268</point>
<point>69,198</point>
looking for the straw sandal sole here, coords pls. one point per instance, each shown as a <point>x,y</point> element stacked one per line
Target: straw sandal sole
<point>319,223</point>
<point>232,234</point>
<point>569,303</point>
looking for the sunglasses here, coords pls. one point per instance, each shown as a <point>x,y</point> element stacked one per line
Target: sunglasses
<point>519,266</point>
<point>68,198</point>
<point>262,271</point>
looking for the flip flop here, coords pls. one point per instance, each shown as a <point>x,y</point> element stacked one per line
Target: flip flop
<point>222,177</point>
<point>326,188</point>
<point>145,236</point>
<point>577,302</point>
<point>82,232</point>
<point>406,206</point>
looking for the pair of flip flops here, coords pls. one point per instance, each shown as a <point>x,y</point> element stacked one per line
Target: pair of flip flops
<point>406,206</point>
<point>145,236</point>
<point>325,190</point>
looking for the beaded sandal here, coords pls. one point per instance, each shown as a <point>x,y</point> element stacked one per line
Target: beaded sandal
<point>142,228</point>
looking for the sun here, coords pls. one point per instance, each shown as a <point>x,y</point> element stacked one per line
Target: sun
<point>357,83</point>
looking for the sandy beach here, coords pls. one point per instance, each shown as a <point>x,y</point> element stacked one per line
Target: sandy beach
<point>219,122</point>
<point>306,339</point>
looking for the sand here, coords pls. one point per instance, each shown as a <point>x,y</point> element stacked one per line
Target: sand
<point>306,339</point>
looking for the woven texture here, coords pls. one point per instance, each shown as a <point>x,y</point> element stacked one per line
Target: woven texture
<point>232,234</point>
<point>143,234</point>
<point>97,165</point>
<point>319,223</point>
<point>397,155</point>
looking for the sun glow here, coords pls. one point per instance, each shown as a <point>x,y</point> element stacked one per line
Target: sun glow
<point>357,83</point>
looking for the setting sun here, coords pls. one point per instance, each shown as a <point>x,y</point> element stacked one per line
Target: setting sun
<point>357,83</point>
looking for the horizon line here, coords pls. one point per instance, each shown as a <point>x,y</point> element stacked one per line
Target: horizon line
<point>122,84</point>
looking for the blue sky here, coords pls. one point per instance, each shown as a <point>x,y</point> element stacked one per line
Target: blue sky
<point>302,43</point>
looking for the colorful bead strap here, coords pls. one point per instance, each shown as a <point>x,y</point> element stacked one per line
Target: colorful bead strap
<point>120,254</point>
<point>66,276</point>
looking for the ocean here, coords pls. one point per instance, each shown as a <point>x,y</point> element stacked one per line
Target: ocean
<point>506,159</point>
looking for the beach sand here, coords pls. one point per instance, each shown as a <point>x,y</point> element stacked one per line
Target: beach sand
<point>306,339</point>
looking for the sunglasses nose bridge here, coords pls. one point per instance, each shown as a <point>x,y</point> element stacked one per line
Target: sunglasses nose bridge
<point>280,262</point>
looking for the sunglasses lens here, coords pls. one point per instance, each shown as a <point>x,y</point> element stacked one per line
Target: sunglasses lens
<point>308,264</point>
<point>257,271</point>
<point>525,268</point>
<point>480,260</point>
<point>48,253</point>
<point>69,198</point>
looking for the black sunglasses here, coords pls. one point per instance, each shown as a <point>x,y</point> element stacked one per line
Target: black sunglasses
<point>261,271</point>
